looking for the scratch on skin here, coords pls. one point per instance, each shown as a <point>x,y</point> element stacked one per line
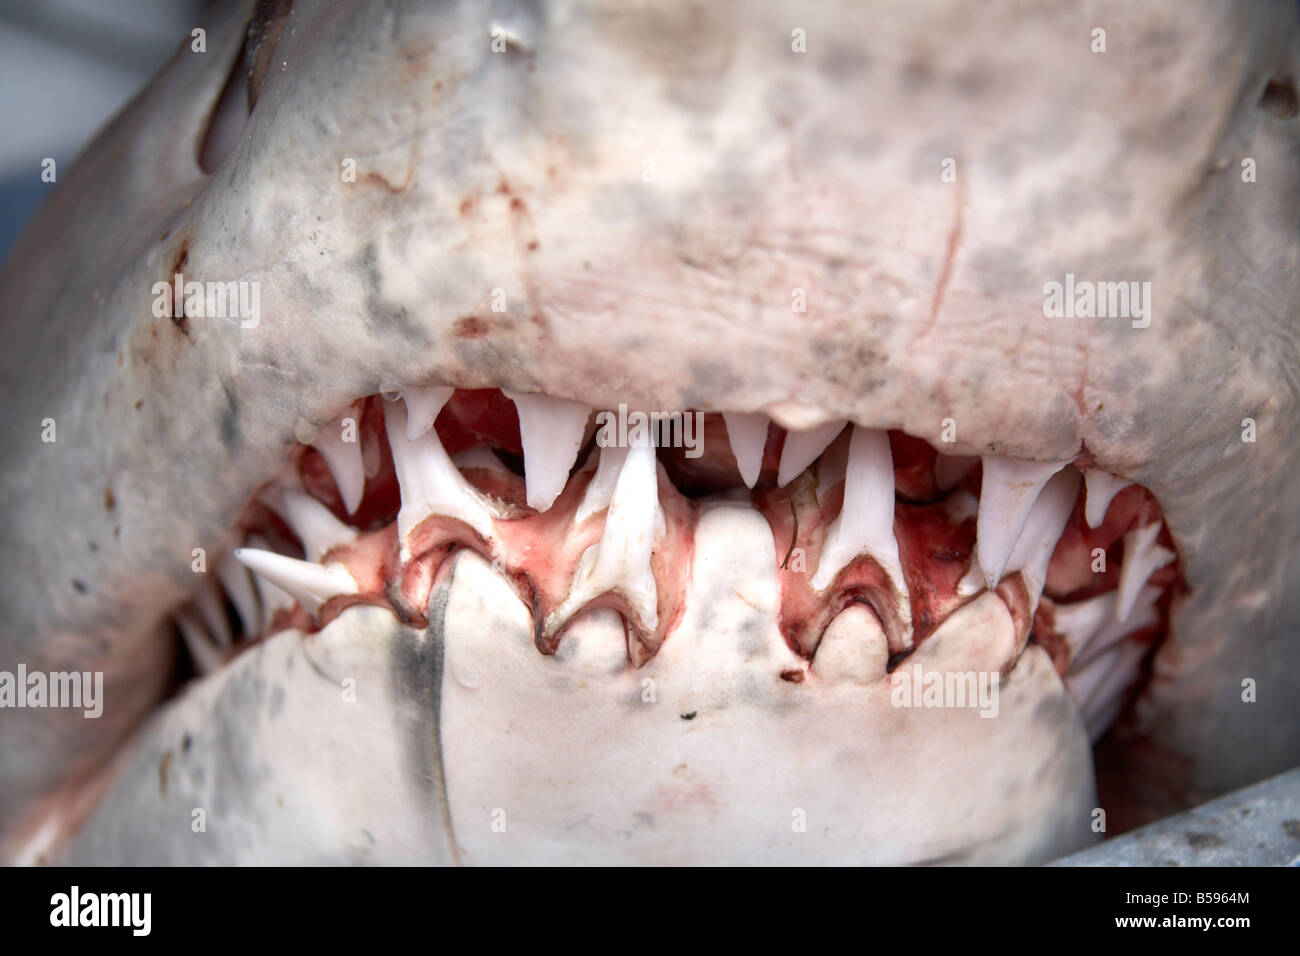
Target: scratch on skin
<point>954,241</point>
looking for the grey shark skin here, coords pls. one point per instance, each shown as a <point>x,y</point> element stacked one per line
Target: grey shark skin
<point>648,184</point>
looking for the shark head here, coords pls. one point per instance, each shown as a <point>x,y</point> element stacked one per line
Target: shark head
<point>501,432</point>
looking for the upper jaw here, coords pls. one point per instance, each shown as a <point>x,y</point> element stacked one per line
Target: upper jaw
<point>674,291</point>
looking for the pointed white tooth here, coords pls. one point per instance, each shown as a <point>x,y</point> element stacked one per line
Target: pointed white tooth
<point>422,408</point>
<point>235,579</point>
<point>1141,556</point>
<point>600,490</point>
<point>344,457</point>
<point>1101,491</point>
<point>1081,621</point>
<point>1111,631</point>
<point>802,448</point>
<point>316,527</point>
<point>866,520</point>
<point>1098,689</point>
<point>273,598</point>
<point>212,609</point>
<point>429,482</point>
<point>621,561</point>
<point>311,584</point>
<point>949,470</point>
<point>204,652</point>
<point>1047,519</point>
<point>747,434</point>
<point>1008,492</point>
<point>551,431</point>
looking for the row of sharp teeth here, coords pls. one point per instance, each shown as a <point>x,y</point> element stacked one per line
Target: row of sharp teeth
<point>1022,510</point>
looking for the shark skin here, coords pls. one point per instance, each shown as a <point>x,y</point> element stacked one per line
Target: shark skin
<point>646,189</point>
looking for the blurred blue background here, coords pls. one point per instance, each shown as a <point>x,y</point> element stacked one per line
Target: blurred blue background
<point>66,67</point>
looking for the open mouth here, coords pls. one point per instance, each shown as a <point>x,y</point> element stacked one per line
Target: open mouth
<point>579,510</point>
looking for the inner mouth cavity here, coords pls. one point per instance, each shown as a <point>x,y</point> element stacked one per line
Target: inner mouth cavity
<point>582,509</point>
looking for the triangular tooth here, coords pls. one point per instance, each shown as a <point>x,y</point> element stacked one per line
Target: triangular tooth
<point>1098,688</point>
<point>1047,519</point>
<point>206,655</point>
<point>1101,489</point>
<point>316,527</point>
<point>802,448</point>
<point>1141,556</point>
<point>310,584</point>
<point>344,458</point>
<point>621,561</point>
<point>551,431</point>
<point>1010,487</point>
<point>234,577</point>
<point>423,406</point>
<point>1081,621</point>
<point>211,605</point>
<point>430,483</point>
<point>747,434</point>
<point>866,520</point>
<point>1110,632</point>
<point>600,490</point>
<point>273,599</point>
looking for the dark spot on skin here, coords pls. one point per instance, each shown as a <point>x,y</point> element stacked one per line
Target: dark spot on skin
<point>230,418</point>
<point>1204,841</point>
<point>1292,828</point>
<point>164,764</point>
<point>110,502</point>
<point>1280,98</point>
<point>79,585</point>
<point>163,237</point>
<point>378,180</point>
<point>186,742</point>
<point>690,716</point>
<point>178,316</point>
<point>516,204</point>
<point>532,245</point>
<point>369,836</point>
<point>139,403</point>
<point>793,676</point>
<point>471,327</point>
<point>94,548</point>
<point>467,206</point>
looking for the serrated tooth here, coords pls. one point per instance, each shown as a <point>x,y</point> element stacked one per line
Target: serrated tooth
<point>211,605</point>
<point>429,482</point>
<point>344,457</point>
<point>1010,487</point>
<point>423,406</point>
<point>316,527</point>
<point>600,490</point>
<point>1098,688</point>
<point>1141,556</point>
<point>1100,490</point>
<point>1047,518</point>
<point>206,655</point>
<point>310,584</point>
<point>621,560</point>
<point>802,448</point>
<point>747,434</point>
<point>551,431</point>
<point>272,598</point>
<point>866,520</point>
<point>234,577</point>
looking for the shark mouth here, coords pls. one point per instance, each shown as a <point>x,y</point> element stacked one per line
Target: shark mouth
<point>879,541</point>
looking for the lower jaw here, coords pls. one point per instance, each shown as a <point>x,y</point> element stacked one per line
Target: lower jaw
<point>373,741</point>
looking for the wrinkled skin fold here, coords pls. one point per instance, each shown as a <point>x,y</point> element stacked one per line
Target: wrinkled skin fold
<point>646,186</point>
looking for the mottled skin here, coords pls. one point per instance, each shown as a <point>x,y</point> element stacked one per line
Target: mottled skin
<point>648,186</point>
